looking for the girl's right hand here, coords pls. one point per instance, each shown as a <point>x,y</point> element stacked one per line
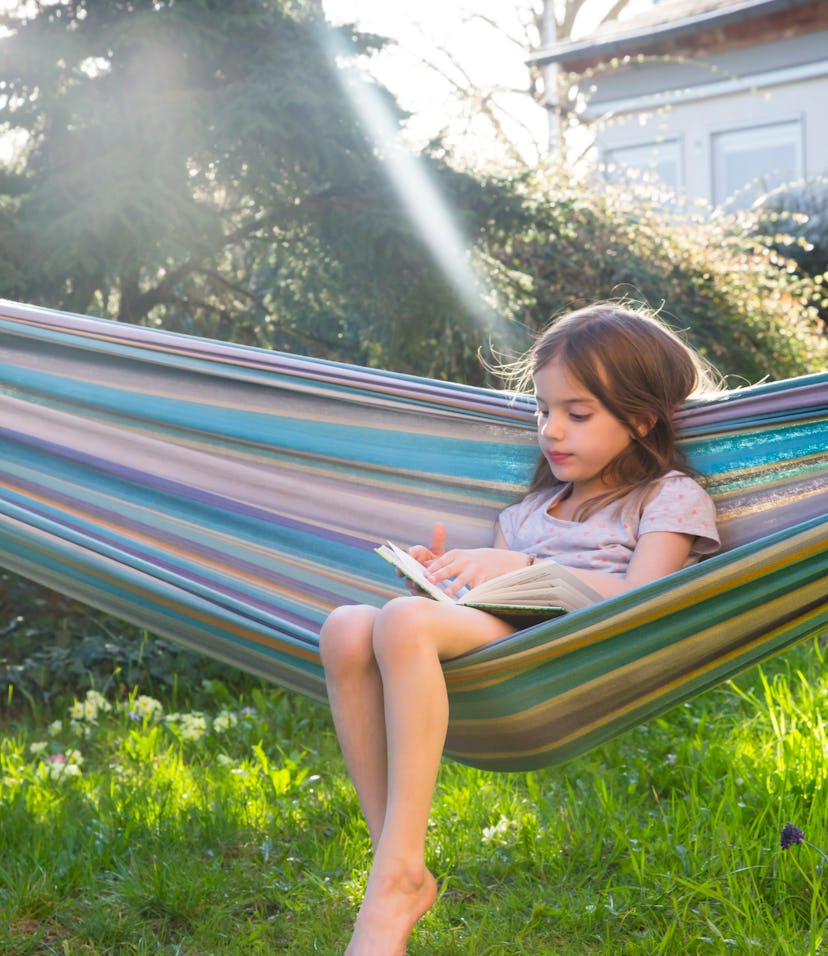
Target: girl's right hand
<point>438,546</point>
<point>426,555</point>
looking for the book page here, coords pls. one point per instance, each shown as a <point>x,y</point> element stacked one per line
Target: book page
<point>543,584</point>
<point>413,570</point>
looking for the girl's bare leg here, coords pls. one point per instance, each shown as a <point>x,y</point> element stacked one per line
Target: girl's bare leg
<point>411,637</point>
<point>356,699</point>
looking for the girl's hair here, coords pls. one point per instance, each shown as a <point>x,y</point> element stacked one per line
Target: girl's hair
<point>641,371</point>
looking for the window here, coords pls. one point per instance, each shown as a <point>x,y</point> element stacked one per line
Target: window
<point>749,162</point>
<point>661,159</point>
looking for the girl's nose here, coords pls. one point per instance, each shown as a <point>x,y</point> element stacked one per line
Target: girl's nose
<point>551,427</point>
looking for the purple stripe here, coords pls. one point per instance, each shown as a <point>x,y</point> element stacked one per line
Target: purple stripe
<point>183,491</point>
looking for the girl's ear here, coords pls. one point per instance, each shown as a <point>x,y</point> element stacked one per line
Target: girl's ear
<point>644,425</point>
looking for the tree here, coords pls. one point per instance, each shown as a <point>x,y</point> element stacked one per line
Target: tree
<point>141,128</point>
<point>476,91</point>
<point>558,20</point>
<point>198,163</point>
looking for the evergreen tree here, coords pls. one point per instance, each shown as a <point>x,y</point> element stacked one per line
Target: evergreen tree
<point>198,163</point>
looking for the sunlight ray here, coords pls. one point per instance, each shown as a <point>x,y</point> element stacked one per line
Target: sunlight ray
<point>421,197</point>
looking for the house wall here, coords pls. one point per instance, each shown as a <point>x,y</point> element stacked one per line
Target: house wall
<point>661,74</point>
<point>751,112</point>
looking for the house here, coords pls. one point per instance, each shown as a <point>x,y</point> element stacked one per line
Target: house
<point>722,100</point>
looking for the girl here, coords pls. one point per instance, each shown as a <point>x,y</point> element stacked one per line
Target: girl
<point>608,499</point>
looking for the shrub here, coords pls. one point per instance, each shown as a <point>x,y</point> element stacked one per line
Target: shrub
<point>742,303</point>
<point>795,218</point>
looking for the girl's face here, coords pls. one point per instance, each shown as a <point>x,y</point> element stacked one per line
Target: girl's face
<point>577,434</point>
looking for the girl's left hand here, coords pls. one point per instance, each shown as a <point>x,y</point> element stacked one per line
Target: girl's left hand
<point>461,568</point>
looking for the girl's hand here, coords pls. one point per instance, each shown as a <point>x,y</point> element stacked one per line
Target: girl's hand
<point>467,568</point>
<point>438,546</point>
<point>426,555</point>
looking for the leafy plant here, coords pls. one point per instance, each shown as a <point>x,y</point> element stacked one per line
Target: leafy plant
<point>54,647</point>
<point>795,219</point>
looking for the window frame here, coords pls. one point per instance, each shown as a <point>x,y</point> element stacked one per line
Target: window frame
<point>718,194</point>
<point>674,140</point>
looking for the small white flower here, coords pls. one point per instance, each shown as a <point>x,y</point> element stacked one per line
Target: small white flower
<point>224,721</point>
<point>38,747</point>
<point>90,707</point>
<point>80,729</point>
<point>147,708</point>
<point>97,699</point>
<point>58,767</point>
<point>190,726</point>
<point>55,727</point>
<point>498,830</point>
<point>193,727</point>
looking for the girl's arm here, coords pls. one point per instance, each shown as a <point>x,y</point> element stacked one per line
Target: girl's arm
<point>657,554</point>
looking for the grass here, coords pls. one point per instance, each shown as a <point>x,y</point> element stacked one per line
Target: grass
<point>233,829</point>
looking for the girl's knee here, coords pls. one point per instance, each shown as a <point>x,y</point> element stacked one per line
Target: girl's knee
<point>420,625</point>
<point>346,636</point>
<point>402,621</point>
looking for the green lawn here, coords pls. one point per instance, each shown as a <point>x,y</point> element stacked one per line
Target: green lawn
<point>125,829</point>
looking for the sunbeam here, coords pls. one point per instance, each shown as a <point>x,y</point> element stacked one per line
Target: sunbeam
<point>420,196</point>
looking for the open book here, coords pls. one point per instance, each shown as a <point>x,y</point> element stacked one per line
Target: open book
<point>544,589</point>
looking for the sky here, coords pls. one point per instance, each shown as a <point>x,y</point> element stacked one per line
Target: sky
<point>441,46</point>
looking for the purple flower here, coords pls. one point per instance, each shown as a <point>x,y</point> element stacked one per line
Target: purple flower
<point>790,835</point>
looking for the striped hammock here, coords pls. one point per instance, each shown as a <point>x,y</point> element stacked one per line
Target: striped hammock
<point>229,497</point>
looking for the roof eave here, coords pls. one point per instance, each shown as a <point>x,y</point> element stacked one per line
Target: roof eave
<point>657,34</point>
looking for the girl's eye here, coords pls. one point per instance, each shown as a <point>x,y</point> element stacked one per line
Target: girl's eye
<point>578,416</point>
<point>541,412</point>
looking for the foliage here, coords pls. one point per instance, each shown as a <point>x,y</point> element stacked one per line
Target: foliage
<point>200,164</point>
<point>795,217</point>
<point>740,302</point>
<point>370,292</point>
<point>52,647</point>
<point>228,826</point>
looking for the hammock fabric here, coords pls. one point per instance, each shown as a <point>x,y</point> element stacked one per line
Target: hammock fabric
<point>229,497</point>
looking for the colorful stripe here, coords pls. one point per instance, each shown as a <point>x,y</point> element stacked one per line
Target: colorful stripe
<point>229,497</point>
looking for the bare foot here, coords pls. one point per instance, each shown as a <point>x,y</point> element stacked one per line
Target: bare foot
<point>394,900</point>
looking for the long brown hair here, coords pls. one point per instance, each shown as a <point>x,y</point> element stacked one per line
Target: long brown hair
<point>641,371</point>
